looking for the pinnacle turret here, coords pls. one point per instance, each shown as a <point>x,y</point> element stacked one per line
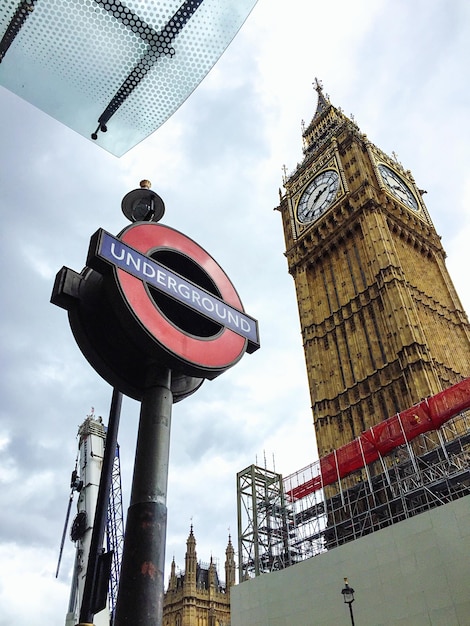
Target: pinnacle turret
<point>230,565</point>
<point>190,559</point>
<point>324,124</point>
<point>323,101</point>
<point>172,583</point>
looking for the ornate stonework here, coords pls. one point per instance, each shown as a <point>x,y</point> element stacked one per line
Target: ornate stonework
<point>196,597</point>
<point>382,324</point>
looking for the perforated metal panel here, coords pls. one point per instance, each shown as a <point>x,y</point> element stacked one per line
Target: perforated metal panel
<point>124,66</point>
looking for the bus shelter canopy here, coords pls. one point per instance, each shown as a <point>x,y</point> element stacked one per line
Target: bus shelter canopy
<point>113,70</point>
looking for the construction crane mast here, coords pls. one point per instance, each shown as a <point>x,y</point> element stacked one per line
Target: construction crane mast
<point>115,530</point>
<point>85,481</point>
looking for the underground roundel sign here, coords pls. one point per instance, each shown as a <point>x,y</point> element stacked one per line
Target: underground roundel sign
<point>153,295</point>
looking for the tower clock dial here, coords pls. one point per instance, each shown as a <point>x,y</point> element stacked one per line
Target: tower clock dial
<point>318,196</point>
<point>398,187</point>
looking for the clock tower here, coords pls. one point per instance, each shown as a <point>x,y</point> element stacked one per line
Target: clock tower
<point>382,325</point>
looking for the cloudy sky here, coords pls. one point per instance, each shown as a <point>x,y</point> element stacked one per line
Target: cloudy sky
<point>399,66</point>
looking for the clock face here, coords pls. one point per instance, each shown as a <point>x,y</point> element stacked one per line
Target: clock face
<point>398,187</point>
<point>318,196</point>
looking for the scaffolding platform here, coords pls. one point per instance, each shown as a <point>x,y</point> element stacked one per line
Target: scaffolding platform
<point>278,529</point>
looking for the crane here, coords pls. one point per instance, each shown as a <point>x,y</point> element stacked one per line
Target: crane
<point>85,481</point>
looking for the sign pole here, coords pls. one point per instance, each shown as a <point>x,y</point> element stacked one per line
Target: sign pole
<point>137,318</point>
<point>140,595</point>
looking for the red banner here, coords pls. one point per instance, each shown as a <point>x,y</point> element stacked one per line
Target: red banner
<point>380,440</point>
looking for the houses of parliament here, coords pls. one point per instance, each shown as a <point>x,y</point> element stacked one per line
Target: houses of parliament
<point>196,596</point>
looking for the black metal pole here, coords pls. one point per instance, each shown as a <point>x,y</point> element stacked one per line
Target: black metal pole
<point>140,594</point>
<point>87,610</point>
<point>351,613</point>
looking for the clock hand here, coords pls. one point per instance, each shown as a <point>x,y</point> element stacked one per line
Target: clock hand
<point>317,203</point>
<point>399,190</point>
<point>319,194</point>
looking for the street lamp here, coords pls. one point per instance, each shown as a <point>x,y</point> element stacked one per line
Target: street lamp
<point>348,597</point>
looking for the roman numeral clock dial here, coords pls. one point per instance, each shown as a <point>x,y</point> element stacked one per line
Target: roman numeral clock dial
<point>318,196</point>
<point>398,187</point>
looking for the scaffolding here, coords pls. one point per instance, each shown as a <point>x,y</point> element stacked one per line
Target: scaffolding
<point>284,521</point>
<point>264,522</point>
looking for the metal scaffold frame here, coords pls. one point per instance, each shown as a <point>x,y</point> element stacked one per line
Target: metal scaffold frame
<point>283,521</point>
<point>408,484</point>
<point>263,522</point>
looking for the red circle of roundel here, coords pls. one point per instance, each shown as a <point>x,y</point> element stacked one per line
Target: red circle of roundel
<point>220,351</point>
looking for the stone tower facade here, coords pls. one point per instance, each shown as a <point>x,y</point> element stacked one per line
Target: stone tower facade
<point>382,325</point>
<point>196,597</point>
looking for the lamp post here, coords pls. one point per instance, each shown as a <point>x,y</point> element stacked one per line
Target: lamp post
<point>348,597</point>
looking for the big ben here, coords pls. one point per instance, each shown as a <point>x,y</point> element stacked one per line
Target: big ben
<point>382,325</point>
